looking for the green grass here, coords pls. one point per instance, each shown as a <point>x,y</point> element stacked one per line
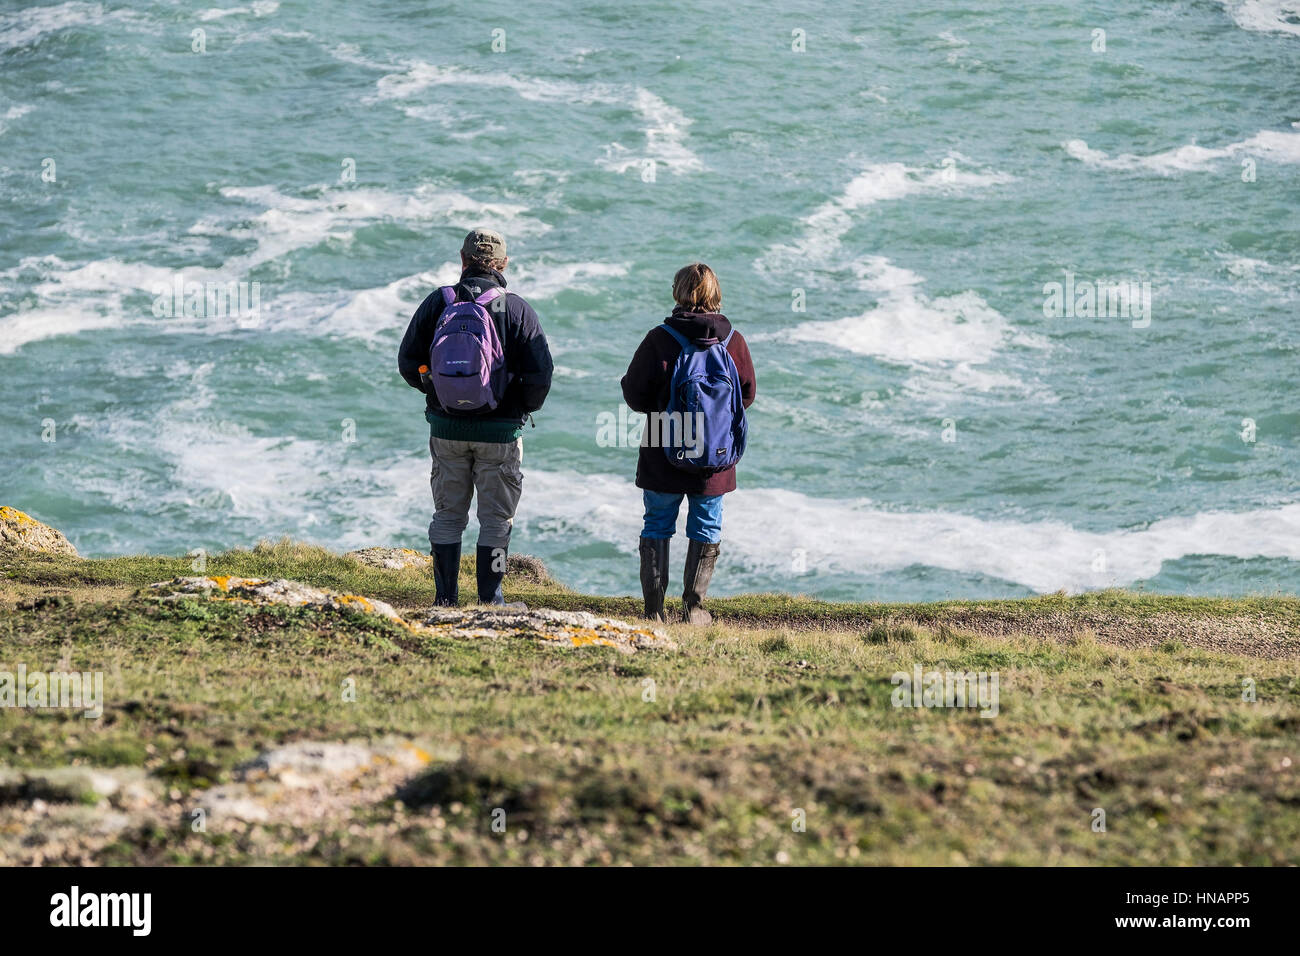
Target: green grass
<point>783,706</point>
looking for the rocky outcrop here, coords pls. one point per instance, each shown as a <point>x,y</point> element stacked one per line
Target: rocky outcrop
<point>563,629</point>
<point>279,591</point>
<point>22,532</point>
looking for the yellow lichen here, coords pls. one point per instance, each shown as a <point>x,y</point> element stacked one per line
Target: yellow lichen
<point>14,516</point>
<point>582,640</point>
<point>357,599</point>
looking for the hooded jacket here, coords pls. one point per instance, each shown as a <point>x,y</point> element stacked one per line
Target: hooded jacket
<point>527,356</point>
<point>645,389</point>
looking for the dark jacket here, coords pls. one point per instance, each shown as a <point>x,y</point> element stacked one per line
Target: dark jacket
<point>645,389</point>
<point>528,362</point>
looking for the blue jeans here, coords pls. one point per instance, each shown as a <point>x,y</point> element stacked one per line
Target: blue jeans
<point>703,516</point>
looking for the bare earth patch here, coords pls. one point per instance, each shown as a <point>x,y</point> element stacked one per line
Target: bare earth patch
<point>1249,636</point>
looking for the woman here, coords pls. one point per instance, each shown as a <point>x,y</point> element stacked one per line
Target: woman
<point>664,484</point>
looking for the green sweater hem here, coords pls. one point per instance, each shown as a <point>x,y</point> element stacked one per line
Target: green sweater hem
<point>472,429</point>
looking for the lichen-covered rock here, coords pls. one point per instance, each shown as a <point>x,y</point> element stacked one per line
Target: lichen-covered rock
<point>391,559</point>
<point>22,532</point>
<point>280,591</point>
<point>309,780</point>
<point>125,785</point>
<point>555,628</point>
<point>307,758</point>
<point>565,629</point>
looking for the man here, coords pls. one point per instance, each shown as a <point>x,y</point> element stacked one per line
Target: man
<point>479,451</point>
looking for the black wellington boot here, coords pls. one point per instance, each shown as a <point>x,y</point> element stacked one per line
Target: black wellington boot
<point>654,575</point>
<point>701,556</point>
<point>446,574</point>
<point>489,581</point>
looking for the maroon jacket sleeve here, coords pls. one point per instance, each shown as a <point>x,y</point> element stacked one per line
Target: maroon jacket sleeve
<point>738,349</point>
<point>647,375</point>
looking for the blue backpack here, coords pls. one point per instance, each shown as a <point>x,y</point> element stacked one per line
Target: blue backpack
<point>704,429</point>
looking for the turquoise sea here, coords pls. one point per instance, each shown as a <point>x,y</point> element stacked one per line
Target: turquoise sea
<point>884,189</point>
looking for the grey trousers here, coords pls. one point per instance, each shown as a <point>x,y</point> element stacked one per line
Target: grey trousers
<point>460,468</point>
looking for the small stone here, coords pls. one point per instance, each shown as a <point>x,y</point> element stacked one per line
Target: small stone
<point>69,785</point>
<point>308,758</point>
<point>294,764</point>
<point>233,802</point>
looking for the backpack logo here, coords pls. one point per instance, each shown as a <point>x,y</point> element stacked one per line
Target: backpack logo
<point>466,360</point>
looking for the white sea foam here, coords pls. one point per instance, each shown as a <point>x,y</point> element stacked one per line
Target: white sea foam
<point>457,125</point>
<point>378,313</point>
<point>766,526</point>
<point>278,483</point>
<point>664,126</point>
<point>1265,16</point>
<point>1255,276</point>
<point>69,299</point>
<point>351,53</point>
<point>420,75</point>
<point>32,325</point>
<point>542,279</point>
<point>211,462</point>
<point>21,28</point>
<point>954,333</point>
<point>292,222</point>
<point>13,113</point>
<point>907,327</point>
<point>260,8</point>
<point>825,227</point>
<point>1277,146</point>
<point>665,139</point>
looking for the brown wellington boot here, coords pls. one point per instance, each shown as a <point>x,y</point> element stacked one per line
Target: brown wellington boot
<point>701,556</point>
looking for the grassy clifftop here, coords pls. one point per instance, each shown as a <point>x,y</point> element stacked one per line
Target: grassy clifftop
<point>770,737</point>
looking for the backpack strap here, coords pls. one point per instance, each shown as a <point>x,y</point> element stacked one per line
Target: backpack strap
<point>727,340</point>
<point>449,295</point>
<point>682,340</point>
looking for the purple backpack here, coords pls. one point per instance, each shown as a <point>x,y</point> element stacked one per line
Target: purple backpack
<point>467,364</point>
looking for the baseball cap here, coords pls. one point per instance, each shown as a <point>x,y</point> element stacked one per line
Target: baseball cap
<point>484,244</point>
